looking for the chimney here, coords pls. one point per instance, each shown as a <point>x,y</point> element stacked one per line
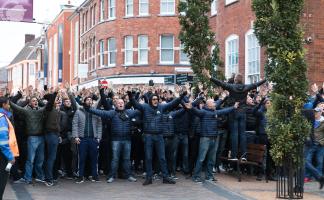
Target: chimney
<point>29,37</point>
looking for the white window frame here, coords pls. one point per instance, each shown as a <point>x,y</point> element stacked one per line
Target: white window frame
<point>227,2</point>
<point>32,69</point>
<point>111,8</point>
<point>256,58</point>
<point>187,62</point>
<point>140,6</point>
<point>111,51</point>
<point>213,7</point>
<point>167,2</point>
<point>166,62</point>
<point>101,53</point>
<point>102,10</point>
<point>142,49</point>
<point>128,50</point>
<point>228,72</point>
<point>129,12</point>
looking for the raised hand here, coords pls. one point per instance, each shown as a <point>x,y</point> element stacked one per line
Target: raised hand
<point>206,73</point>
<point>314,88</point>
<point>236,105</point>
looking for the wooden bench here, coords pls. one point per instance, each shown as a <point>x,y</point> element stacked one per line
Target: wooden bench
<point>255,156</point>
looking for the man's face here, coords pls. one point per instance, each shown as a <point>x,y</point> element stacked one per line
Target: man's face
<point>318,115</point>
<point>120,104</point>
<point>211,104</point>
<point>155,100</point>
<point>67,103</point>
<point>6,106</point>
<point>268,104</point>
<point>88,102</point>
<point>33,103</point>
<point>249,101</point>
<point>58,101</point>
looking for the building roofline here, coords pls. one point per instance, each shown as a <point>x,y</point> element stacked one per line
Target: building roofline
<point>61,12</point>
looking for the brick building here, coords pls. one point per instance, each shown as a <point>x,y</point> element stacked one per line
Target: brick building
<point>133,41</point>
<point>128,42</point>
<point>25,69</point>
<point>58,35</point>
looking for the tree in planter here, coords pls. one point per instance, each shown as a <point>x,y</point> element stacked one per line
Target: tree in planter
<point>198,39</point>
<point>277,28</point>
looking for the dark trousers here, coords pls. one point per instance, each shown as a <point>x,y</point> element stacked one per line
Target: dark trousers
<point>154,142</point>
<point>88,146</point>
<point>193,151</point>
<point>169,151</point>
<point>64,159</point>
<point>3,174</point>
<point>237,123</point>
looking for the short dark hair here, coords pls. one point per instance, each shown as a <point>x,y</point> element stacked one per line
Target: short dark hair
<point>3,100</point>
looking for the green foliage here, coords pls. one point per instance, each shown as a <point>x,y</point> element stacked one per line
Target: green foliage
<point>277,28</point>
<point>198,38</point>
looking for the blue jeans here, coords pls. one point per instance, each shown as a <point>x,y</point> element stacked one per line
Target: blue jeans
<point>88,146</point>
<point>157,142</point>
<point>123,148</point>
<point>207,149</point>
<point>181,140</point>
<point>52,141</point>
<point>310,151</point>
<point>237,123</point>
<point>35,148</point>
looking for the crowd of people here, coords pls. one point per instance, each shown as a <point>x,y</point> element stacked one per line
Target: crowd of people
<point>153,130</point>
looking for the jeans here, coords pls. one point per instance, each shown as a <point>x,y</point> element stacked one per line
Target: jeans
<point>207,149</point>
<point>35,148</point>
<point>157,142</point>
<point>121,148</point>
<point>52,141</point>
<point>88,146</point>
<point>181,140</point>
<point>237,122</point>
<point>310,151</point>
<point>223,134</point>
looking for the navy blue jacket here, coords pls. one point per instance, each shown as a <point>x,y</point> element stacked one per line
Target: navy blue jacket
<point>169,122</point>
<point>120,129</point>
<point>152,116</point>
<point>262,120</point>
<point>208,120</point>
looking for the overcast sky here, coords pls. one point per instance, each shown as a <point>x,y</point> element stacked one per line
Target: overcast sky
<point>12,34</point>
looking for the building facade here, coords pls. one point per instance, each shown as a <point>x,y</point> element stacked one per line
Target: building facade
<point>25,69</point>
<point>128,41</point>
<point>58,35</point>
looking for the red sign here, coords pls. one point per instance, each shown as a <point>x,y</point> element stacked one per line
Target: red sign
<point>104,83</point>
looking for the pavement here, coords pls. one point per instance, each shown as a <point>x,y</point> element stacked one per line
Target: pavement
<point>227,187</point>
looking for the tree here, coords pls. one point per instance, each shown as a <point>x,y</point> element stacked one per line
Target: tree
<point>198,38</point>
<point>278,30</point>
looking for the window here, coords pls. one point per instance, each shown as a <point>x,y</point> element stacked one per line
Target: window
<point>167,52</point>
<point>167,7</point>
<point>184,59</point>
<point>31,69</point>
<point>112,9</point>
<point>94,63</point>
<point>86,21</point>
<point>143,7</point>
<point>232,53</point>
<point>229,1</point>
<point>143,49</point>
<point>128,50</point>
<point>102,10</point>
<point>112,52</point>
<point>129,8</point>
<point>213,7</point>
<point>101,54</point>
<point>184,12</point>
<point>252,58</point>
<point>94,14</point>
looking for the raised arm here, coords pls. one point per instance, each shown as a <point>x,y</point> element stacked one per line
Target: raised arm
<point>197,112</point>
<point>135,103</point>
<point>102,113</point>
<point>177,113</point>
<point>254,85</point>
<point>17,108</point>
<point>225,86</point>
<point>50,104</point>
<point>224,111</point>
<point>171,105</point>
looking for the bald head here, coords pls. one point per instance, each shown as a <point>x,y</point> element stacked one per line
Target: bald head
<point>120,105</point>
<point>211,104</point>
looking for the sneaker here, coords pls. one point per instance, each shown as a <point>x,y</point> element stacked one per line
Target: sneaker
<point>110,180</point>
<point>197,180</point>
<point>95,179</point>
<point>168,181</point>
<point>243,159</point>
<point>307,180</point>
<point>49,183</point>
<point>132,179</point>
<point>214,170</point>
<point>174,177</point>
<point>156,177</point>
<point>144,175</point>
<point>37,180</point>
<point>22,181</point>
<point>211,179</point>
<point>79,180</point>
<point>147,182</point>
